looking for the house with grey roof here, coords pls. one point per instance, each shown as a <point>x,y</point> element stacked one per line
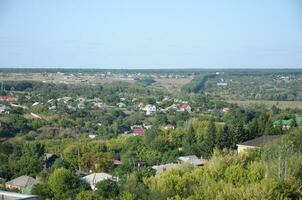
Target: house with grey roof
<point>94,178</point>
<point>22,183</point>
<point>256,143</point>
<point>192,160</point>
<point>5,195</point>
<point>162,168</point>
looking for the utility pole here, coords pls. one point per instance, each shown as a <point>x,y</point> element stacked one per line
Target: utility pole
<point>79,167</point>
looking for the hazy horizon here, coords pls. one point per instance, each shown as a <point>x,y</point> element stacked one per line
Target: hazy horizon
<point>151,34</point>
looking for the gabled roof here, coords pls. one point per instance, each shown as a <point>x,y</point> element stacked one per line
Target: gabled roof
<point>8,98</point>
<point>23,181</point>
<point>260,141</point>
<point>184,106</point>
<point>192,159</point>
<point>138,131</point>
<point>94,178</point>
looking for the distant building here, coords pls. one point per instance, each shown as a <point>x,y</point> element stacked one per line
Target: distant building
<point>256,143</point>
<point>4,109</point>
<point>117,162</point>
<point>225,110</point>
<point>162,168</point>
<point>10,99</point>
<point>185,107</point>
<point>192,159</point>
<point>150,109</point>
<point>287,124</point>
<point>137,131</point>
<point>5,195</point>
<point>168,126</point>
<point>222,84</point>
<point>121,105</point>
<point>92,136</point>
<point>94,178</point>
<point>52,108</point>
<point>22,183</point>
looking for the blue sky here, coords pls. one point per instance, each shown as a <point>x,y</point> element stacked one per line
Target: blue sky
<point>151,33</point>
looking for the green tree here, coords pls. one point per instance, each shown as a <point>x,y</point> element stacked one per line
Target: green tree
<point>63,184</point>
<point>107,189</point>
<point>85,195</point>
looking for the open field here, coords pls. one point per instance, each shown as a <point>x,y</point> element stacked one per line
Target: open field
<point>65,78</point>
<point>280,104</point>
<point>171,82</point>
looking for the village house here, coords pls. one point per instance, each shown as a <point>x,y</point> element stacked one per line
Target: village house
<point>185,107</point>
<point>150,109</point>
<point>162,168</point>
<point>4,109</point>
<point>63,100</point>
<point>192,160</point>
<point>168,126</point>
<point>287,124</point>
<point>9,99</point>
<point>225,110</point>
<point>92,136</point>
<point>256,143</point>
<point>222,84</point>
<point>22,183</point>
<point>117,162</point>
<point>54,108</point>
<point>94,178</point>
<point>5,195</point>
<point>138,131</point>
<point>121,105</point>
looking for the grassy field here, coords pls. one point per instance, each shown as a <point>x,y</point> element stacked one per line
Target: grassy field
<point>269,104</point>
<point>173,82</point>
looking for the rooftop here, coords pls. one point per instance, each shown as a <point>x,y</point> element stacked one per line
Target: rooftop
<point>260,141</point>
<point>192,159</point>
<point>4,195</point>
<point>23,181</point>
<point>94,178</point>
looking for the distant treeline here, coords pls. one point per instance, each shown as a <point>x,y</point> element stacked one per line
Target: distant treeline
<point>183,71</point>
<point>198,83</point>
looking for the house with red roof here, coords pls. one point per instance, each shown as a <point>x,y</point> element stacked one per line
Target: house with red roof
<point>10,99</point>
<point>137,131</point>
<point>185,107</point>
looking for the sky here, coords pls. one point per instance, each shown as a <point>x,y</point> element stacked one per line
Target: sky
<point>151,33</point>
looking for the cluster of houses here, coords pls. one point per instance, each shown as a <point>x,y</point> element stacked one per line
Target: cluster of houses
<point>286,124</point>
<point>151,109</point>
<point>4,109</point>
<point>24,183</point>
